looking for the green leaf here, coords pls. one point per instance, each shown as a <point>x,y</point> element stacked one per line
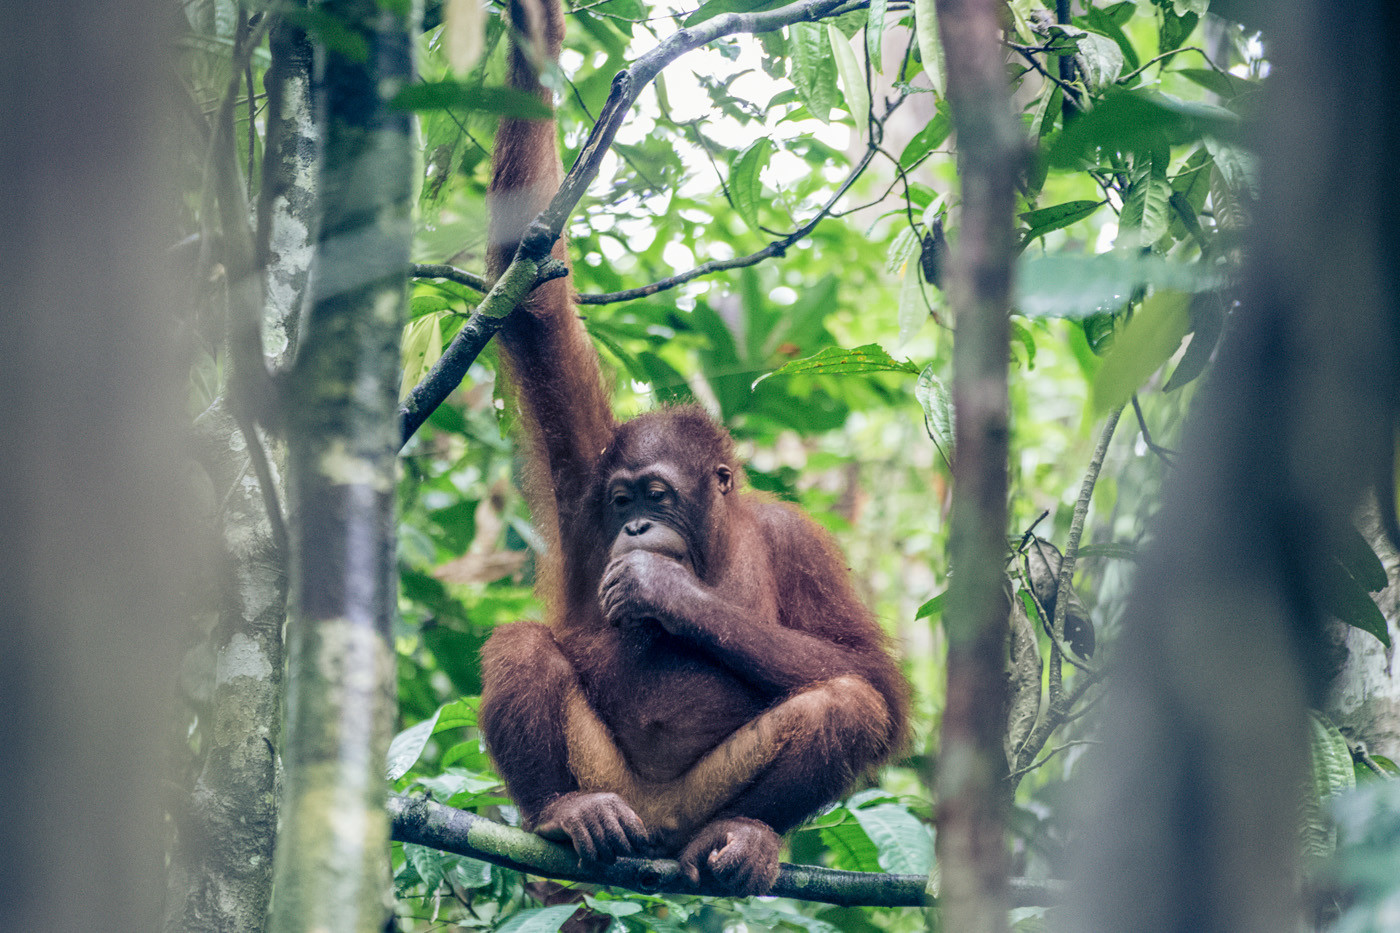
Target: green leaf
<point>875,32</point>
<point>1146,211</point>
<point>1138,121</point>
<point>851,847</point>
<point>913,306</point>
<point>1237,167</point>
<point>1100,21</point>
<point>1360,560</point>
<point>1151,336</point>
<point>1220,83</point>
<point>1041,222</point>
<point>408,745</point>
<point>852,76</point>
<point>745,185</point>
<point>904,843</point>
<point>421,348</point>
<point>1332,773</point>
<point>938,409</point>
<point>1100,58</point>
<point>455,95</point>
<point>613,908</point>
<point>813,68</point>
<point>870,358</point>
<point>933,135</point>
<point>538,920</point>
<point>930,47</point>
<point>1076,286</point>
<point>1346,599</point>
<point>932,607</point>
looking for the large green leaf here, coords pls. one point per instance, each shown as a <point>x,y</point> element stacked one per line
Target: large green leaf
<point>1138,121</point>
<point>852,77</point>
<point>904,842</point>
<point>745,186</point>
<point>851,847</point>
<point>938,409</point>
<point>408,745</point>
<point>870,358</point>
<point>458,95</point>
<point>1346,599</point>
<point>1147,204</point>
<point>1150,337</point>
<point>1041,222</point>
<point>1332,773</point>
<point>538,920</point>
<point>1078,286</point>
<point>813,68</point>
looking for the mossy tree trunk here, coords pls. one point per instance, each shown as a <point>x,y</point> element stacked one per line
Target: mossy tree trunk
<point>220,870</point>
<point>340,403</point>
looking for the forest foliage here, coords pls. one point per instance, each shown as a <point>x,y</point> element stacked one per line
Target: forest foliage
<point>768,237</point>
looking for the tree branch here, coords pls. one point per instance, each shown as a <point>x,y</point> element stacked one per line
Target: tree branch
<point>549,225</point>
<point>1057,712</point>
<point>424,822</point>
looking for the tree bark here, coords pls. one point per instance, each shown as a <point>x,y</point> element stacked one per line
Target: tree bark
<point>220,872</point>
<point>332,868</point>
<point>971,802</point>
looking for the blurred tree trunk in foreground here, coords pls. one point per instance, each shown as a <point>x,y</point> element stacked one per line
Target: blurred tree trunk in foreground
<point>1195,820</point>
<point>92,421</point>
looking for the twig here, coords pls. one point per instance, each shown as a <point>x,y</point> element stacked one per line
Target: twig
<point>1015,776</point>
<point>531,267</point>
<point>424,822</point>
<point>1187,48</point>
<point>1162,452</point>
<point>471,280</point>
<point>1076,531</point>
<point>1060,704</point>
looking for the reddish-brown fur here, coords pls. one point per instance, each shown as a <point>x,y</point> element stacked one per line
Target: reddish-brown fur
<point>695,704</point>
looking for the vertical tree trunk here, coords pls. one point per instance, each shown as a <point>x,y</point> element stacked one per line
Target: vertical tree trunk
<point>220,872</point>
<point>1221,649</point>
<point>972,854</point>
<point>91,419</point>
<point>340,407</point>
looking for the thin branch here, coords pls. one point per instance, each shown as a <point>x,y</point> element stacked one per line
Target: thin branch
<point>1165,55</point>
<point>424,822</point>
<point>532,266</point>
<point>778,247</point>
<point>1016,775</point>
<point>1076,531</point>
<point>1060,703</point>
<point>1162,452</point>
<point>422,270</point>
<point>1028,53</point>
<point>531,262</point>
<point>253,388</point>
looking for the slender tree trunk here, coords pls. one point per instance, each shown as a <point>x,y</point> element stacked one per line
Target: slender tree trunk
<point>220,872</point>
<point>972,855</point>
<point>332,867</point>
